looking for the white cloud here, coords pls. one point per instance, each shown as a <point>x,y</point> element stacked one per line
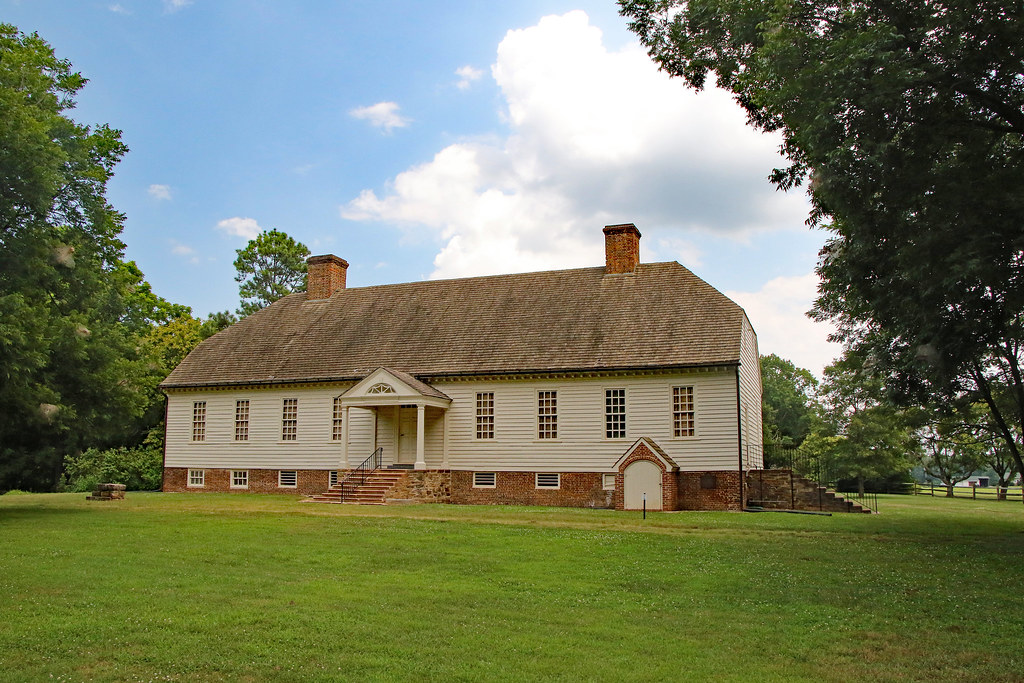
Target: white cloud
<point>160,192</point>
<point>118,8</point>
<point>381,115</point>
<point>597,137</point>
<point>467,74</point>
<point>180,249</point>
<point>778,313</point>
<point>240,227</point>
<point>175,5</point>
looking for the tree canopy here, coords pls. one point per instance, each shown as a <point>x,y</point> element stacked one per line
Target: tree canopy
<point>907,121</point>
<point>788,401</point>
<point>72,311</point>
<point>269,267</point>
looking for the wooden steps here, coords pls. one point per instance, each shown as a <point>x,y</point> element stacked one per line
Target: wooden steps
<point>372,492</point>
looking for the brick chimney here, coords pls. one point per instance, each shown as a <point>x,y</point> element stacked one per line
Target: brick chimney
<point>326,276</point>
<point>621,248</point>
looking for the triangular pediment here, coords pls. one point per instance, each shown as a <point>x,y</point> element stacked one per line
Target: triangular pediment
<point>653,452</point>
<point>384,386</point>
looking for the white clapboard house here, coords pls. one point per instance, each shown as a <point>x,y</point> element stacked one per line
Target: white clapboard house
<point>625,385</point>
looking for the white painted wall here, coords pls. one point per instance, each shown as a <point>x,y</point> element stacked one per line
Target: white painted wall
<point>581,443</point>
<point>750,398</point>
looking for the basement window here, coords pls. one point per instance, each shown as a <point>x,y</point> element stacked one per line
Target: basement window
<point>484,480</point>
<point>332,478</point>
<point>197,478</point>
<point>608,481</point>
<point>549,480</point>
<point>239,479</point>
<point>287,479</point>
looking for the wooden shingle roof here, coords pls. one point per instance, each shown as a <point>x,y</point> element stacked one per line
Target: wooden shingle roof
<point>661,316</point>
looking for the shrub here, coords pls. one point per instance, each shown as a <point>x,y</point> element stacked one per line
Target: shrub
<point>139,468</point>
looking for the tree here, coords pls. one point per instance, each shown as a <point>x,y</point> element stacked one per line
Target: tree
<point>862,435</point>
<point>907,119</point>
<point>270,267</point>
<point>72,374</point>
<point>952,453</point>
<point>788,401</point>
<point>215,323</point>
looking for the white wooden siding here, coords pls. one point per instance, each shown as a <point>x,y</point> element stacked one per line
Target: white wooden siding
<point>750,397</point>
<point>581,444</point>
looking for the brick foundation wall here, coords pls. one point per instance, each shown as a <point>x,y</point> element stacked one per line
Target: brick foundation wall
<point>577,489</point>
<point>725,494</point>
<point>430,486</point>
<point>308,482</point>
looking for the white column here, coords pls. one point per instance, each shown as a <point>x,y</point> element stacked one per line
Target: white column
<point>444,436</point>
<point>344,438</point>
<point>421,463</point>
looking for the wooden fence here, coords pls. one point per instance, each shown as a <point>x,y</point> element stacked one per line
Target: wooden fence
<point>975,492</point>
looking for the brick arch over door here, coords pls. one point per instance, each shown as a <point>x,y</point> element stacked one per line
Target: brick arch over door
<point>647,450</point>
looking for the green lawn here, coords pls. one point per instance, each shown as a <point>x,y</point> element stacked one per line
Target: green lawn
<point>247,587</point>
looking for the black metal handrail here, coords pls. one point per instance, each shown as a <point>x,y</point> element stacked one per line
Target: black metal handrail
<point>365,468</point>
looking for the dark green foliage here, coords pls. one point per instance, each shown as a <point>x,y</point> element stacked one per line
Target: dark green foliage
<point>788,401</point>
<point>908,120</point>
<point>140,468</point>
<point>216,322</point>
<point>270,267</point>
<point>73,373</point>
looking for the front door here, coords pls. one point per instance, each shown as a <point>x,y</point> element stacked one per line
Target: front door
<point>406,435</point>
<point>642,477</point>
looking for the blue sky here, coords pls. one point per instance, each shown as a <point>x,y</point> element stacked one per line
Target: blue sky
<point>422,140</point>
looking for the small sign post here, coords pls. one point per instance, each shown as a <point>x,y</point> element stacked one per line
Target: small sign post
<point>645,505</point>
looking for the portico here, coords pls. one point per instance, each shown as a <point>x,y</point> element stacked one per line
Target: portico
<point>405,413</point>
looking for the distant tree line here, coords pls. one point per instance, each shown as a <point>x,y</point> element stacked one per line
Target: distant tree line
<point>849,422</point>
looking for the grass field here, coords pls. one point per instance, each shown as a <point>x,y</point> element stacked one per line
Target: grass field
<point>247,587</point>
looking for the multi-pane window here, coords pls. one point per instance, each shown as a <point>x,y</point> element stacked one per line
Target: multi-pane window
<point>239,479</point>
<point>484,480</point>
<point>337,433</point>
<point>608,482</point>
<point>548,480</point>
<point>547,414</point>
<point>287,478</point>
<point>197,477</point>
<point>485,415</point>
<point>682,411</point>
<point>242,420</point>
<point>615,413</point>
<point>332,478</point>
<point>199,421</point>
<point>290,419</point>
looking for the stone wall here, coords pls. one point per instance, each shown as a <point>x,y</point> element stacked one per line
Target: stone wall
<point>577,489</point>
<point>782,490</point>
<point>431,486</point>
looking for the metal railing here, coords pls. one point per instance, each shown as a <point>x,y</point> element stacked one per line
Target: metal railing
<point>363,470</point>
<point>810,466</point>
